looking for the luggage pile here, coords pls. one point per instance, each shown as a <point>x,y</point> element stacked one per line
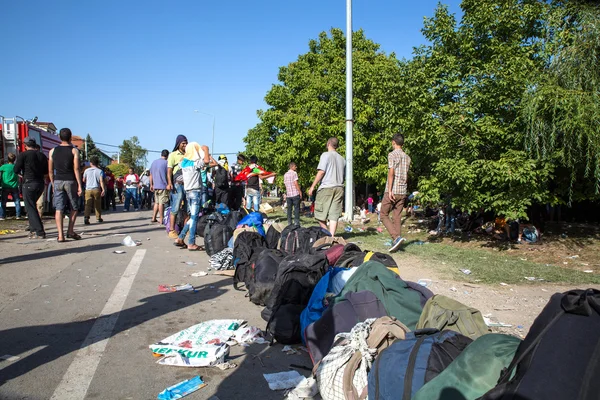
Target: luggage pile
<point>371,334</point>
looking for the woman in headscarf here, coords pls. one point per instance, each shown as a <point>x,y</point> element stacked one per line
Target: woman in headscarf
<point>195,159</point>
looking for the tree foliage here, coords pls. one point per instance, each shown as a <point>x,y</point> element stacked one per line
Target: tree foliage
<point>133,154</point>
<point>119,169</point>
<point>92,150</point>
<point>307,107</point>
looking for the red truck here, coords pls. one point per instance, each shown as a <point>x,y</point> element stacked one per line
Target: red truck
<point>13,132</point>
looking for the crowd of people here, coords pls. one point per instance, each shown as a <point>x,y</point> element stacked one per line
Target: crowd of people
<point>187,178</point>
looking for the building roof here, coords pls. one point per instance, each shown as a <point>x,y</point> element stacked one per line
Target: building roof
<point>47,125</point>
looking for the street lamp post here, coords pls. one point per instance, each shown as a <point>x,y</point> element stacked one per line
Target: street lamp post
<point>212,147</point>
<point>349,211</point>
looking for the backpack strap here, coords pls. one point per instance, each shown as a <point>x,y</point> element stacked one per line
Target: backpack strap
<point>368,256</point>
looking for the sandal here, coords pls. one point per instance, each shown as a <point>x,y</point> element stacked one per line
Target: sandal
<point>179,244</point>
<point>61,240</point>
<point>197,248</point>
<point>73,236</point>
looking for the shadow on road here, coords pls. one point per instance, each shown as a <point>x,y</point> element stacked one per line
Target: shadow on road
<point>38,255</point>
<point>58,340</point>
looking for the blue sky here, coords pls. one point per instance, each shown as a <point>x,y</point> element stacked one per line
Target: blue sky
<point>115,69</point>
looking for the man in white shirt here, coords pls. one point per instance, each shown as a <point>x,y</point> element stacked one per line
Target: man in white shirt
<point>94,190</point>
<point>131,190</point>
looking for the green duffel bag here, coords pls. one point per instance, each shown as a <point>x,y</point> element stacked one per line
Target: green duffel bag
<point>474,372</point>
<point>444,313</point>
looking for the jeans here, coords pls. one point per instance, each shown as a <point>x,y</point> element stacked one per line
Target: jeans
<point>146,199</point>
<point>31,193</point>
<point>450,219</point>
<point>194,198</point>
<point>371,208</point>
<point>295,203</point>
<point>16,199</point>
<point>203,196</point>
<point>177,197</point>
<point>131,194</point>
<point>253,197</point>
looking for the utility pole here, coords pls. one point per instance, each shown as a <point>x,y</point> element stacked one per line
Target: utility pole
<point>85,145</point>
<point>349,211</point>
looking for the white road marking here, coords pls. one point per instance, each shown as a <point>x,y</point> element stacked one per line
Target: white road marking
<point>78,377</point>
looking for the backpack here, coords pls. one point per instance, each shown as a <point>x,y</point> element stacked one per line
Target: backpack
<point>296,278</point>
<point>296,239</point>
<point>247,245</point>
<point>404,367</point>
<point>273,236</point>
<point>475,371</point>
<point>327,242</point>
<point>216,234</point>
<point>264,272</point>
<point>341,317</point>
<point>233,219</point>
<point>399,299</point>
<point>559,357</point>
<point>201,225</point>
<point>221,178</point>
<point>442,312</point>
<point>343,373</point>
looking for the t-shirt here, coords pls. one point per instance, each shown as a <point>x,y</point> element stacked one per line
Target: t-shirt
<point>158,170</point>
<point>192,173</point>
<point>289,179</point>
<point>9,179</point>
<point>33,165</point>
<point>92,177</point>
<point>145,181</point>
<point>370,200</point>
<point>253,181</point>
<point>110,181</point>
<point>133,180</point>
<point>174,160</point>
<point>334,166</point>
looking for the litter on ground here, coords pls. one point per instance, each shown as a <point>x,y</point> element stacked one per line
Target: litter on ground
<point>199,274</point>
<point>129,242</point>
<point>175,288</point>
<point>284,380</point>
<point>182,389</point>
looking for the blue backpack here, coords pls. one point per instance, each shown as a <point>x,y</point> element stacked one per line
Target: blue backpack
<point>404,367</point>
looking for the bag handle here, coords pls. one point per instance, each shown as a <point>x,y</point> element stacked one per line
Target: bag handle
<point>350,392</point>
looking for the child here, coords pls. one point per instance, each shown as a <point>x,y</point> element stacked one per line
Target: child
<point>370,203</point>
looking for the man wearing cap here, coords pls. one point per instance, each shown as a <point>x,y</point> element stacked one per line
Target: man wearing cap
<point>175,182</point>
<point>64,171</point>
<point>32,165</point>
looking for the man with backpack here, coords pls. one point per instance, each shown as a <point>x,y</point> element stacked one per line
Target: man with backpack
<point>330,195</point>
<point>221,179</point>
<point>395,192</point>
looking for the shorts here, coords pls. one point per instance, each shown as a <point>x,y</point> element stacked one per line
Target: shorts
<point>328,204</point>
<point>177,197</point>
<point>65,191</point>
<point>161,196</point>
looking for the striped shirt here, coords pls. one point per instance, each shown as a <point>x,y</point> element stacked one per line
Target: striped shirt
<point>290,179</point>
<point>400,162</point>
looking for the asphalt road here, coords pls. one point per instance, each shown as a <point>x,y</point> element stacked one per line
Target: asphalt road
<point>80,317</point>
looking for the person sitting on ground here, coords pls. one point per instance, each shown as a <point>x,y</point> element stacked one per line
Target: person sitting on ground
<point>95,189</point>
<point>195,159</point>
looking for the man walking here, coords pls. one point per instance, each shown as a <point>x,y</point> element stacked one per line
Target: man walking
<point>175,182</point>
<point>32,165</point>
<point>158,184</point>
<point>63,168</point>
<point>395,193</point>
<point>110,190</point>
<point>95,189</point>
<point>9,182</point>
<point>293,194</point>
<point>330,195</point>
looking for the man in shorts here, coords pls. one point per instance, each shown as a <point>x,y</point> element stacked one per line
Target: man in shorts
<point>330,195</point>
<point>65,176</point>
<point>158,184</point>
<point>175,182</point>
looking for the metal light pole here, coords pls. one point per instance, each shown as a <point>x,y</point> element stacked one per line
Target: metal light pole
<point>212,147</point>
<point>349,211</point>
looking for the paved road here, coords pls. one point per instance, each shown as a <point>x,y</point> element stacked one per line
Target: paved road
<point>80,318</point>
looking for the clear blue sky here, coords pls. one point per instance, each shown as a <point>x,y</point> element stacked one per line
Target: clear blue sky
<point>115,69</point>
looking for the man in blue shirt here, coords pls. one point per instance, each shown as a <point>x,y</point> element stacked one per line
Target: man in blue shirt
<point>158,184</point>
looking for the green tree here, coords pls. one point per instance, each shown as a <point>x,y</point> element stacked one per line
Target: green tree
<point>133,154</point>
<point>307,107</point>
<point>465,90</point>
<point>119,169</point>
<point>562,107</point>
<point>92,150</point>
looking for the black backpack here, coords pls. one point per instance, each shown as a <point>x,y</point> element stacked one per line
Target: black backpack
<point>273,237</point>
<point>202,222</point>
<point>247,245</point>
<point>264,272</point>
<point>295,239</point>
<point>296,278</point>
<point>221,178</point>
<point>216,234</point>
<point>560,356</point>
<point>233,219</point>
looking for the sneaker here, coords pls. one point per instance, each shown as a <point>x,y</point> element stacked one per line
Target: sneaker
<point>18,218</point>
<point>86,221</point>
<point>396,244</point>
<point>136,209</point>
<point>99,220</point>
<point>2,219</point>
<point>125,210</point>
<point>173,235</point>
